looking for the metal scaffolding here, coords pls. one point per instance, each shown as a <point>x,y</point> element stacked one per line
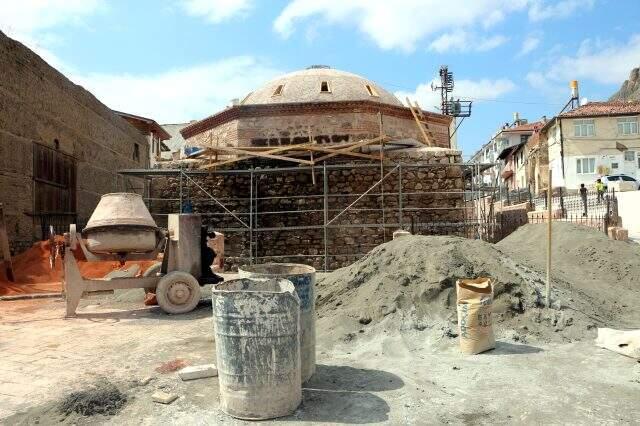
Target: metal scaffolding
<point>397,213</point>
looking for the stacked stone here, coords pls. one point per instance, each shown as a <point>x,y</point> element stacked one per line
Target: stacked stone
<point>291,207</point>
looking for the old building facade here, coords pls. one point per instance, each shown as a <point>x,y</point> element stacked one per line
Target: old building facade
<point>60,148</point>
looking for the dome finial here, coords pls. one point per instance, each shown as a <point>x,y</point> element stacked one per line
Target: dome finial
<point>318,67</point>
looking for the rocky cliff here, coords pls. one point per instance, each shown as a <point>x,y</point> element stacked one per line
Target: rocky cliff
<point>630,90</point>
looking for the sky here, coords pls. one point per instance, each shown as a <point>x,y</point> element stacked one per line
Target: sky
<point>179,60</point>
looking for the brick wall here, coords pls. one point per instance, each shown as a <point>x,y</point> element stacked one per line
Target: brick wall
<point>292,129</point>
<point>39,105</point>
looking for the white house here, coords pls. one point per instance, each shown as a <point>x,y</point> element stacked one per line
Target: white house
<point>593,140</point>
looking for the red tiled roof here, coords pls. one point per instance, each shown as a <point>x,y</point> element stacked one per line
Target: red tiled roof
<point>529,127</point>
<point>596,109</point>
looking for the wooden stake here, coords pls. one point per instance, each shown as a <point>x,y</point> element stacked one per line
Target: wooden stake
<point>6,252</point>
<point>549,219</point>
<point>313,172</point>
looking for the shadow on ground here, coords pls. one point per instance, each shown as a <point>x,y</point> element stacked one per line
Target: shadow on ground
<point>203,310</point>
<point>504,348</point>
<point>343,394</point>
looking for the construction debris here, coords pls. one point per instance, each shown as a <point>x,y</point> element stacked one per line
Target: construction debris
<point>626,343</point>
<point>163,397</point>
<point>198,372</point>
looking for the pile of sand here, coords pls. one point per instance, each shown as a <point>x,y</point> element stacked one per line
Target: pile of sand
<point>409,283</point>
<point>33,273</point>
<point>588,263</point>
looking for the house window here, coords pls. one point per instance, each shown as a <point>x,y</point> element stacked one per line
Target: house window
<point>524,138</point>
<point>278,90</point>
<point>629,156</point>
<point>56,144</point>
<point>136,152</point>
<point>583,128</point>
<point>614,165</point>
<point>371,90</point>
<point>628,126</point>
<point>586,165</point>
<point>324,87</point>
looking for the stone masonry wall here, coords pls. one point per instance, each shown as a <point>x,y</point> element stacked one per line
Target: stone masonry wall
<point>433,200</point>
<point>40,105</point>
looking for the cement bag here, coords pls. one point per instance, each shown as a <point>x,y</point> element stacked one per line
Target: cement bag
<point>475,299</point>
<point>623,342</point>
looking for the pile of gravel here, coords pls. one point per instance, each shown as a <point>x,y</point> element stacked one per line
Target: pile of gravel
<point>103,399</point>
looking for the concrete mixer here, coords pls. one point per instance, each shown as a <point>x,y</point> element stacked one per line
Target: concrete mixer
<point>122,229</point>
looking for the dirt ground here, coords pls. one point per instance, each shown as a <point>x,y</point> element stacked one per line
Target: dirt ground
<point>370,376</point>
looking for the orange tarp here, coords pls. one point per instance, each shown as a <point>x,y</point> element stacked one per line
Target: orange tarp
<point>34,275</point>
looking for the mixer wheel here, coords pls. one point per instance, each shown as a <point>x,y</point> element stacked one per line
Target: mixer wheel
<point>178,292</point>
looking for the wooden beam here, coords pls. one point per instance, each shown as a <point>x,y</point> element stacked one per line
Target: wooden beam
<point>238,151</point>
<point>352,154</point>
<point>420,126</point>
<point>351,148</point>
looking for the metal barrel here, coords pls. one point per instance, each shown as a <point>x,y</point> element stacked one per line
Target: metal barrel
<point>257,334</point>
<point>303,278</point>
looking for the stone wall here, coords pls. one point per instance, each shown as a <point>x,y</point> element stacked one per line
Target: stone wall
<point>40,105</point>
<point>432,200</point>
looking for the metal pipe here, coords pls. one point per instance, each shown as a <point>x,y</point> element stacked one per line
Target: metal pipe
<point>251,216</point>
<point>365,193</point>
<point>214,199</point>
<point>326,210</point>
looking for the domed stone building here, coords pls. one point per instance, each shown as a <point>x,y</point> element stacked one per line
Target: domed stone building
<point>321,206</point>
<point>326,104</point>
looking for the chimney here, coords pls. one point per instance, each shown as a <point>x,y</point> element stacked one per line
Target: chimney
<point>516,118</point>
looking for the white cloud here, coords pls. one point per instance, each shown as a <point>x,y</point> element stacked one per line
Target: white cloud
<point>463,41</point>
<point>464,89</point>
<point>31,16</point>
<point>33,22</point>
<point>541,10</point>
<point>529,44</point>
<point>216,11</point>
<point>399,26</point>
<point>602,62</point>
<point>181,94</point>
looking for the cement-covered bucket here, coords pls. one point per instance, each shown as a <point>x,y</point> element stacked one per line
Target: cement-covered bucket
<point>257,329</point>
<point>303,278</point>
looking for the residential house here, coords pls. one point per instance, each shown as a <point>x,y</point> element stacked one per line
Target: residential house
<point>593,140</point>
<point>153,132</point>
<point>518,161</point>
<point>177,145</point>
<point>508,136</point>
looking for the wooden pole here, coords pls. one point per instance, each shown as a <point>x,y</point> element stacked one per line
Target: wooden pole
<point>6,251</point>
<point>549,220</point>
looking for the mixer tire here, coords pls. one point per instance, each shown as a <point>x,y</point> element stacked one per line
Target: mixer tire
<point>178,292</point>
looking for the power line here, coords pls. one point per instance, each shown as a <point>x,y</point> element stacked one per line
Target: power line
<point>504,101</point>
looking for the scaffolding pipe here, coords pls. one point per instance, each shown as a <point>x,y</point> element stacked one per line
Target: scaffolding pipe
<point>363,195</point>
<point>214,199</point>
<point>326,211</point>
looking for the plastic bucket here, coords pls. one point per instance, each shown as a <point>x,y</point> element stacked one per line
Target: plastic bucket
<point>303,278</point>
<point>256,323</point>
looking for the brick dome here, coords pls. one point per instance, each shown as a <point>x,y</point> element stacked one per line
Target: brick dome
<point>319,84</point>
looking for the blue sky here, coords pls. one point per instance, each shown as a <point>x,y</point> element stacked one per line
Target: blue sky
<point>176,60</point>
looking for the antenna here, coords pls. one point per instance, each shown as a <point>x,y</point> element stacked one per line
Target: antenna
<point>451,107</point>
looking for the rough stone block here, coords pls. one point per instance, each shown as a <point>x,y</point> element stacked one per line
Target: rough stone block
<point>198,372</point>
<point>163,397</point>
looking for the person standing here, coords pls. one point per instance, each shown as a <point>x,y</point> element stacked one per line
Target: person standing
<point>600,190</point>
<point>583,195</point>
